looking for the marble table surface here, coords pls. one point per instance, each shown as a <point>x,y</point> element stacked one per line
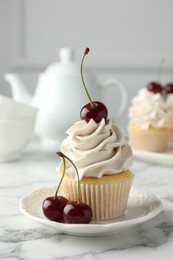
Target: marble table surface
<point>22,238</point>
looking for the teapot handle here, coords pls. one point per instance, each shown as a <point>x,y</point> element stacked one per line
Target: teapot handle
<point>124,95</point>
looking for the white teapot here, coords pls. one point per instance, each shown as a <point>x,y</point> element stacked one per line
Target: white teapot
<point>60,95</point>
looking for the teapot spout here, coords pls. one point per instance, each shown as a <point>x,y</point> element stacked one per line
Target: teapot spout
<point>19,91</point>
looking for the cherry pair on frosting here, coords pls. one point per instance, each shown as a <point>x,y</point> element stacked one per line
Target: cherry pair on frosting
<point>156,87</point>
<point>59,209</point>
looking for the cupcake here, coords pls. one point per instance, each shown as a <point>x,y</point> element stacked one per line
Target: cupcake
<point>103,156</point>
<point>169,101</point>
<point>150,120</point>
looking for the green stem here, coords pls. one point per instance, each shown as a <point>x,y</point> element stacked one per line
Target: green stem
<point>171,76</point>
<point>81,72</point>
<point>160,70</point>
<point>78,190</point>
<point>64,164</point>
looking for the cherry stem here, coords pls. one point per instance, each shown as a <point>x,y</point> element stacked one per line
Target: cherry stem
<point>81,72</point>
<point>64,164</point>
<point>172,76</point>
<point>160,69</point>
<point>78,189</point>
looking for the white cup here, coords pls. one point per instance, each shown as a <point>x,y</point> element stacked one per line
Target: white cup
<point>15,134</point>
<point>17,122</point>
<point>10,108</point>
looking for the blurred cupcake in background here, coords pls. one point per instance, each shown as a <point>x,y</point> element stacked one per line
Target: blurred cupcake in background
<point>169,100</point>
<point>151,119</point>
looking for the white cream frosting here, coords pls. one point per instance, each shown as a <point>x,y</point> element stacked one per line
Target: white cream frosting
<point>169,101</point>
<point>97,149</point>
<point>150,110</point>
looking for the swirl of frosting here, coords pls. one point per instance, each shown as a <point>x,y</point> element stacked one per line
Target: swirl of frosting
<point>97,149</point>
<point>169,101</point>
<point>150,110</point>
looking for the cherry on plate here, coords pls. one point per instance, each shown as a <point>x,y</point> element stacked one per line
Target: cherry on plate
<point>53,207</point>
<point>77,213</point>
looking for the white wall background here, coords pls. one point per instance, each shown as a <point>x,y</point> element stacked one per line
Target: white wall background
<point>128,39</point>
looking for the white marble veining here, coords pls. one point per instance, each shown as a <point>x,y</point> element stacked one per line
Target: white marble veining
<point>22,238</point>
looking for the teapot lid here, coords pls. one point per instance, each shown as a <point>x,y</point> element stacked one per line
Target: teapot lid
<point>67,64</point>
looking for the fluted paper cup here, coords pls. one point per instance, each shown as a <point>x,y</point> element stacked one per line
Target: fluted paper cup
<point>107,196</point>
<point>171,141</point>
<point>153,140</point>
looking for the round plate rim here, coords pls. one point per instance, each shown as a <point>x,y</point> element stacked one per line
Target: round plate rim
<point>102,228</point>
<point>160,158</point>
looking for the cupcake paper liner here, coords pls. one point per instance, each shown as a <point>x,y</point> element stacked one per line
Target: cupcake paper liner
<point>171,140</point>
<point>108,201</point>
<point>150,140</point>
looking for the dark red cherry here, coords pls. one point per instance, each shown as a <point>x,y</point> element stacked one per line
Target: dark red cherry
<point>53,207</point>
<point>77,213</point>
<point>154,87</point>
<point>96,112</point>
<point>169,88</point>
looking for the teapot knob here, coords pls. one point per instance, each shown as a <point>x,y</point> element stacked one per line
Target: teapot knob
<point>66,55</point>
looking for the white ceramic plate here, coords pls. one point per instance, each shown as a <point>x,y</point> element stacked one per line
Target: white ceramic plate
<point>159,158</point>
<point>142,206</point>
